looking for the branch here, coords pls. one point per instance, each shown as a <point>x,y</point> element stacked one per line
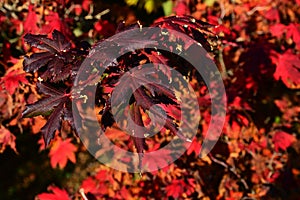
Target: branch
<point>231,169</point>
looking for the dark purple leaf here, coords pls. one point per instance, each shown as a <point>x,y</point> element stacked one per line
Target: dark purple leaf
<point>53,124</point>
<point>45,106</point>
<point>36,61</point>
<point>58,44</point>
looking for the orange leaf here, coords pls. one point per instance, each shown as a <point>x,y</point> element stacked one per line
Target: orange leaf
<point>7,139</point>
<point>37,124</point>
<point>61,151</point>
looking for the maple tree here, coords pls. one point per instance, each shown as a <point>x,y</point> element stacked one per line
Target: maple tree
<point>256,47</point>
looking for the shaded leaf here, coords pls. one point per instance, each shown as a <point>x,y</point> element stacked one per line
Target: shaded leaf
<point>53,124</point>
<point>7,139</point>
<point>55,45</point>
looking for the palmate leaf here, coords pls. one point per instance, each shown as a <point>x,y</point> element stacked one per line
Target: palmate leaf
<point>59,63</point>
<point>53,123</point>
<point>45,106</point>
<point>55,45</point>
<point>196,29</point>
<point>52,104</point>
<point>58,58</point>
<point>151,93</point>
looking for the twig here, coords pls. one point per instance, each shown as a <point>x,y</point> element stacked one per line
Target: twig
<point>81,191</point>
<point>222,63</point>
<point>225,165</point>
<point>257,8</point>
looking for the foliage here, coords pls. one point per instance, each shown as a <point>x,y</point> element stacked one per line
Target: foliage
<point>257,52</point>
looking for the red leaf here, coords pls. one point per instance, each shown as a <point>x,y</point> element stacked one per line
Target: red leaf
<point>293,31</point>
<point>57,194</point>
<point>177,187</point>
<point>155,162</point>
<point>272,15</point>
<point>289,110</point>
<point>239,104</point>
<point>288,68</point>
<point>89,185</point>
<point>104,175</point>
<point>12,79</point>
<point>54,22</point>
<point>86,4</point>
<point>257,145</point>
<point>62,151</point>
<point>103,27</point>
<point>30,23</point>
<point>7,139</point>
<point>195,147</point>
<point>181,8</point>
<point>282,140</point>
<point>17,25</point>
<point>277,30</point>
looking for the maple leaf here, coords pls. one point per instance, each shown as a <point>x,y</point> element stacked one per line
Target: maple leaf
<point>196,29</point>
<point>54,22</point>
<point>53,103</point>
<point>57,194</point>
<point>58,56</point>
<point>61,151</point>
<point>7,139</point>
<point>12,79</point>
<point>277,30</point>
<point>57,63</point>
<point>293,31</point>
<point>150,94</point>
<point>180,186</point>
<point>89,185</point>
<point>59,59</point>
<point>272,15</point>
<point>181,8</point>
<point>154,162</point>
<point>52,98</point>
<point>282,140</point>
<point>30,23</point>
<point>105,28</point>
<point>288,68</point>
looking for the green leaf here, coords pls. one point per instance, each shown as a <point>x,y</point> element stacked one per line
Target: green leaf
<point>168,7</point>
<point>277,120</point>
